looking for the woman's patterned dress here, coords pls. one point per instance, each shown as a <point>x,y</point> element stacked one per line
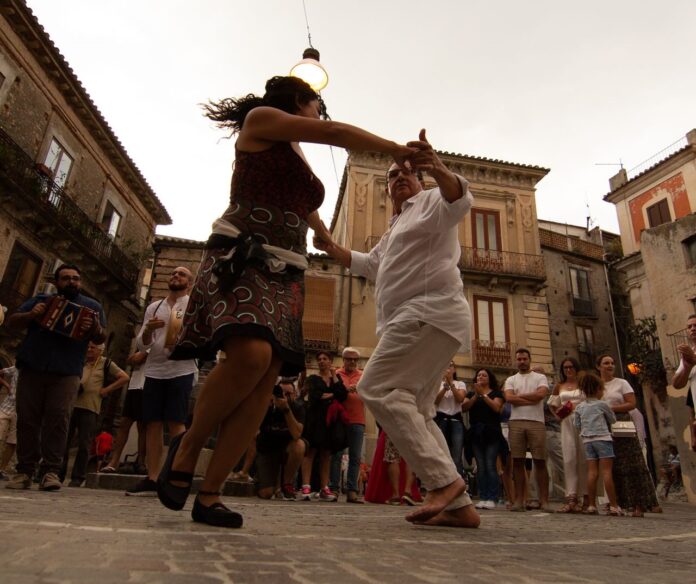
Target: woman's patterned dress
<point>273,192</point>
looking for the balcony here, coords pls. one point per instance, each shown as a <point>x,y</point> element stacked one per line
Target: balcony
<point>503,263</point>
<point>583,307</point>
<point>46,210</point>
<point>493,354</point>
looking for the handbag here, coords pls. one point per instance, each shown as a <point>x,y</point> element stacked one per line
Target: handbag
<point>565,410</point>
<point>623,429</point>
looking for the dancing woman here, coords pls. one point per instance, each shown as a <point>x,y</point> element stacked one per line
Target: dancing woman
<point>248,298</point>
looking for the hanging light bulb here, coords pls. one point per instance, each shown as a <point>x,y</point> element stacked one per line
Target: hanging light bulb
<point>310,70</point>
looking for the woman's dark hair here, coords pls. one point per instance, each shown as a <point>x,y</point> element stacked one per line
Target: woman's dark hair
<point>492,381</point>
<point>574,363</point>
<point>599,360</point>
<point>590,384</point>
<point>283,93</point>
<point>329,355</point>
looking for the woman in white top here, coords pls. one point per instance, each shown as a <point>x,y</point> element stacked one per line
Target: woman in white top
<point>634,486</point>
<point>448,402</point>
<point>574,461</point>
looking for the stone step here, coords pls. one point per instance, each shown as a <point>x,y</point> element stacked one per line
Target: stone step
<point>123,482</point>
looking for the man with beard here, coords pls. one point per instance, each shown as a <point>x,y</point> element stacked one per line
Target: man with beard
<point>168,384</point>
<point>50,367</point>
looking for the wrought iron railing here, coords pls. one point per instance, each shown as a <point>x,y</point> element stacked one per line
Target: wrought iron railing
<point>679,338</point>
<point>502,262</point>
<point>655,158</point>
<point>320,336</point>
<point>583,307</point>
<point>49,198</point>
<point>493,353</point>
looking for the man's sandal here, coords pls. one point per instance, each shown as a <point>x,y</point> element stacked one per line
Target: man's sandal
<point>170,495</point>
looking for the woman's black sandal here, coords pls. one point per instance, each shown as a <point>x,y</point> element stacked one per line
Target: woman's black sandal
<point>216,514</point>
<point>173,496</point>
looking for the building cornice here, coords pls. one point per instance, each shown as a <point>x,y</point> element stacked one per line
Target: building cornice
<point>645,179</point>
<point>170,241</point>
<point>477,170</point>
<point>26,26</point>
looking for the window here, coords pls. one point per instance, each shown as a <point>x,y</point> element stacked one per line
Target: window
<point>491,345</point>
<point>318,322</point>
<point>20,277</point>
<point>59,162</point>
<point>580,289</point>
<point>111,220</point>
<point>690,249</point>
<point>486,233</point>
<point>659,213</point>
<point>585,346</point>
<point>486,229</point>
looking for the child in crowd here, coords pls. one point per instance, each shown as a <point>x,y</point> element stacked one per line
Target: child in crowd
<point>594,418</point>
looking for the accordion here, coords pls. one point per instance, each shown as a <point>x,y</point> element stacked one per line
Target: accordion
<point>66,318</point>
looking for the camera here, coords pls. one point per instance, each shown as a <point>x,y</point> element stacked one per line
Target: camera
<point>277,391</point>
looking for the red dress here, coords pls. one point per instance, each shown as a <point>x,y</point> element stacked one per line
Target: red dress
<point>273,192</point>
<point>378,487</point>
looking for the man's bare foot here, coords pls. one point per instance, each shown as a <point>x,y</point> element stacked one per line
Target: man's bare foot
<point>462,517</point>
<point>436,501</point>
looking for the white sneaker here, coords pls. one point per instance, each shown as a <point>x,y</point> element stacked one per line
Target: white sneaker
<point>481,505</point>
<point>488,505</point>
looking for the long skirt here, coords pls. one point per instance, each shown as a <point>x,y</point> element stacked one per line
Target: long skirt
<point>634,485</point>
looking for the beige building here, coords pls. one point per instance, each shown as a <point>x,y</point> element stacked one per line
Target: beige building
<point>580,307</point>
<point>69,192</point>
<point>655,204</point>
<point>501,264</point>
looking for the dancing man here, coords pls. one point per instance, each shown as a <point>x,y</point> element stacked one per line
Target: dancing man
<point>423,319</point>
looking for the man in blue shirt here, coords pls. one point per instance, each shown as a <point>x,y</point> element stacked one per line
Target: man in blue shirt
<point>50,367</point>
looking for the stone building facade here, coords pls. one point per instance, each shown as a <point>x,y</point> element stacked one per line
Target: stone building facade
<point>655,204</point>
<point>577,292</point>
<point>501,264</point>
<point>69,192</point>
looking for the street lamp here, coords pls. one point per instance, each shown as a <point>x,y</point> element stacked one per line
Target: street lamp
<point>310,70</point>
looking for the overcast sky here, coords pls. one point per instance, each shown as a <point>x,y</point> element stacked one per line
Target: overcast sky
<point>560,84</point>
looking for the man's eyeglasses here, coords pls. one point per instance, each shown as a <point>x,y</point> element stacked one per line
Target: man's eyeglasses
<point>394,173</point>
<point>350,358</point>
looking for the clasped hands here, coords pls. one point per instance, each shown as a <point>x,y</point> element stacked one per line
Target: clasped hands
<point>687,353</point>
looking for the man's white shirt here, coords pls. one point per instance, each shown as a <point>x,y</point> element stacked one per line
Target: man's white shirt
<point>523,384</point>
<point>158,364</point>
<point>692,379</point>
<point>415,265</point>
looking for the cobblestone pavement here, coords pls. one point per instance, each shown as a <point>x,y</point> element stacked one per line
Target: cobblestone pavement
<point>85,535</point>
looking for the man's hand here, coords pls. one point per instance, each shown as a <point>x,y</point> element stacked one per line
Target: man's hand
<point>424,158</point>
<point>687,353</point>
<point>38,310</point>
<point>281,403</point>
<point>88,323</point>
<point>153,324</point>
<point>103,392</point>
